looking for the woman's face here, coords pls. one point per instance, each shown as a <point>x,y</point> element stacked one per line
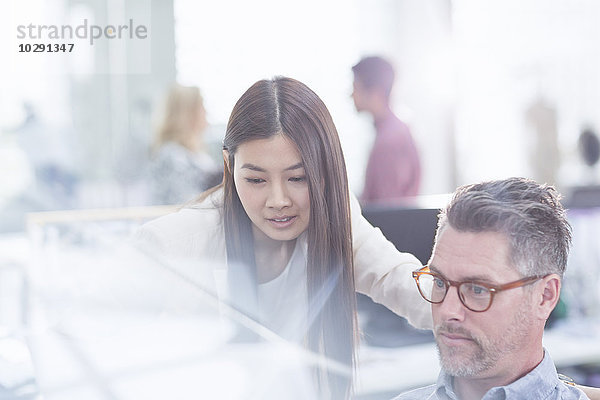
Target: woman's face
<point>271,183</point>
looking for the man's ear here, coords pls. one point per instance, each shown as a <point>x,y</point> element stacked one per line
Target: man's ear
<point>548,295</point>
<point>226,160</point>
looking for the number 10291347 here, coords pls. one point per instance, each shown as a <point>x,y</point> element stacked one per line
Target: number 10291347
<point>46,47</point>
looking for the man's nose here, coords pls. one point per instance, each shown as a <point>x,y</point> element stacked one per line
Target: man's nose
<point>278,196</point>
<point>452,307</point>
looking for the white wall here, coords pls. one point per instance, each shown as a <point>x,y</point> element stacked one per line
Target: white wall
<point>467,71</point>
<point>225,47</point>
<point>509,54</point>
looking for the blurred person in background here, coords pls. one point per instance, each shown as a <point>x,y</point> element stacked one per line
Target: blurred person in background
<point>393,169</point>
<point>583,184</point>
<point>589,150</point>
<point>288,240</point>
<point>46,177</point>
<point>541,143</point>
<point>181,168</point>
<point>51,153</point>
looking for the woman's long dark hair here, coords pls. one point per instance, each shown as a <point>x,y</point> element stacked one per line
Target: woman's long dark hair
<point>287,106</point>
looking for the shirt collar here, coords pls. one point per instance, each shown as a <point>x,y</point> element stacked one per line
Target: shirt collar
<point>538,384</point>
<point>443,388</point>
<point>383,122</point>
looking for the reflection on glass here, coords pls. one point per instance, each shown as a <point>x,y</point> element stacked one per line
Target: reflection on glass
<point>109,320</point>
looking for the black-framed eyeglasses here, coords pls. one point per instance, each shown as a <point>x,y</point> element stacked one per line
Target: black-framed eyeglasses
<point>476,296</point>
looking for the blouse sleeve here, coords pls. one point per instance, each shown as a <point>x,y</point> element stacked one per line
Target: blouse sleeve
<point>193,234</point>
<point>384,273</point>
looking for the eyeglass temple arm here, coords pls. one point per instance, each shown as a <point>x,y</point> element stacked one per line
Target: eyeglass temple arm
<point>515,284</point>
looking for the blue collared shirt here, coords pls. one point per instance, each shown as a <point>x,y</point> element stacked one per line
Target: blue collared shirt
<point>540,384</point>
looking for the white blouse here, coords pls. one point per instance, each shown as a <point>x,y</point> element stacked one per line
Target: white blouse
<point>381,272</point>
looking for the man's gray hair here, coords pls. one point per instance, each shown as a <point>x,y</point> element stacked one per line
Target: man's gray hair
<point>529,214</point>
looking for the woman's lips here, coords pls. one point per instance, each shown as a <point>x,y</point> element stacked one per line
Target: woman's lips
<point>282,222</point>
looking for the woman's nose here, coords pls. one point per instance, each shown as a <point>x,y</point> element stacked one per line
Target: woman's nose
<point>278,197</point>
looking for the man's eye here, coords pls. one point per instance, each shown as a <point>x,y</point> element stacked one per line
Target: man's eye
<point>438,283</point>
<point>254,180</point>
<point>478,290</point>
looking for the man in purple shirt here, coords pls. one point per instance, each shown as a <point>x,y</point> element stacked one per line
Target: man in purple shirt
<point>393,170</point>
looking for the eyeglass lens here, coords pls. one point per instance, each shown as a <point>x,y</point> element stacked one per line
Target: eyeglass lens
<point>473,296</point>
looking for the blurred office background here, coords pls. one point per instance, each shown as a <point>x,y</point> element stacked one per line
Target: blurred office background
<point>490,89</point>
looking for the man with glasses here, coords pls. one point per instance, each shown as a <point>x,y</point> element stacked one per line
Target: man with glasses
<point>494,277</point>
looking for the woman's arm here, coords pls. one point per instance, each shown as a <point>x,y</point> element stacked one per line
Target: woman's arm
<point>384,273</point>
<point>592,392</point>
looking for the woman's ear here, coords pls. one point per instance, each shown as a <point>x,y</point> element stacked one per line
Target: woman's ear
<point>226,160</point>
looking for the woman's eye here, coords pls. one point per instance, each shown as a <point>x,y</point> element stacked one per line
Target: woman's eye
<point>254,180</point>
<point>298,179</point>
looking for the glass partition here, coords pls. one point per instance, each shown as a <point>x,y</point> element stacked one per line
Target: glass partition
<point>107,318</point>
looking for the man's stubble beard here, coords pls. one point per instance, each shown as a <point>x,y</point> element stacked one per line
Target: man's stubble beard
<point>484,353</point>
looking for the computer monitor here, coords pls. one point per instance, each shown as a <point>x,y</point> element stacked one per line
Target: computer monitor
<point>411,230</point>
